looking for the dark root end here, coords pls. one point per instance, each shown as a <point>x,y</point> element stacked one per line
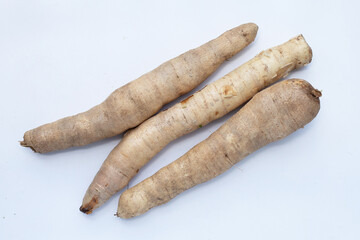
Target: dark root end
<point>89,207</point>
<point>85,210</point>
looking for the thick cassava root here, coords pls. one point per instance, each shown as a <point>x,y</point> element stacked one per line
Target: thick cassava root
<point>138,100</point>
<point>271,115</point>
<point>214,101</point>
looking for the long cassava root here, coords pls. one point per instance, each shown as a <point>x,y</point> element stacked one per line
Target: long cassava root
<point>271,115</point>
<point>214,101</point>
<point>138,100</point>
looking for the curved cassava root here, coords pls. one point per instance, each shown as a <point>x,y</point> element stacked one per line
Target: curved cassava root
<point>138,100</point>
<point>212,102</point>
<point>271,115</point>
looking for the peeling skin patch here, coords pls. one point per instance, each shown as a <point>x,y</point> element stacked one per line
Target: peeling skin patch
<point>284,70</point>
<point>229,91</point>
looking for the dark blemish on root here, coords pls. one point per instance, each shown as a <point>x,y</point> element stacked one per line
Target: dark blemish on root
<point>229,91</point>
<point>106,185</point>
<point>216,113</point>
<point>88,208</point>
<point>137,170</point>
<point>187,99</point>
<point>200,126</point>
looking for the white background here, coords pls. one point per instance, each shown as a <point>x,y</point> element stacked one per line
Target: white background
<point>58,58</point>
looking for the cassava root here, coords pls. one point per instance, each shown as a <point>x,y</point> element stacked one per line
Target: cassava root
<point>138,100</point>
<point>269,116</point>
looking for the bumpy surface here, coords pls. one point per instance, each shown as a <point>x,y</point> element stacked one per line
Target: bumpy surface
<point>271,115</point>
<point>138,100</point>
<point>212,102</point>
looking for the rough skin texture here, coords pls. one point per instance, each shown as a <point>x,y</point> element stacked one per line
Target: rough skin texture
<point>138,100</point>
<point>270,116</point>
<point>212,102</point>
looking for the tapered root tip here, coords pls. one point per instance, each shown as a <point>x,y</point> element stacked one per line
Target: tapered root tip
<point>24,144</point>
<point>85,210</point>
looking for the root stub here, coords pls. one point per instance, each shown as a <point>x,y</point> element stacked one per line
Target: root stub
<point>24,144</point>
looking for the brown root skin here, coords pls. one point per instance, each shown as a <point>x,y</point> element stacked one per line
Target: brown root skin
<point>269,116</point>
<point>210,103</point>
<point>138,100</point>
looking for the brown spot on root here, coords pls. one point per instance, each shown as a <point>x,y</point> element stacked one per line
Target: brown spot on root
<point>137,170</point>
<point>266,68</point>
<point>186,99</point>
<point>216,113</point>
<point>88,208</point>
<point>183,102</point>
<point>229,91</point>
<point>106,185</point>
